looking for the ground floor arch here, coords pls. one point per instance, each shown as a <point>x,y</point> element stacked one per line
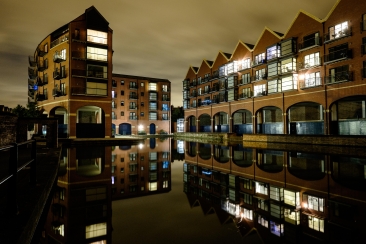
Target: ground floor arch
<point>152,129</point>
<point>221,122</point>
<point>348,116</point>
<point>269,120</point>
<point>204,123</point>
<point>191,126</point>
<point>242,122</point>
<point>60,113</point>
<point>306,118</point>
<point>90,122</point>
<point>125,129</point>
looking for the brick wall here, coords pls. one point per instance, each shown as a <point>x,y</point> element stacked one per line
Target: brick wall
<point>8,128</point>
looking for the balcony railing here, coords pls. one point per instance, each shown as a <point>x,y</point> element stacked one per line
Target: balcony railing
<point>192,84</point>
<point>215,88</point>
<point>285,69</point>
<point>58,75</point>
<point>32,73</point>
<point>132,86</point>
<point>58,57</point>
<point>339,78</point>
<point>206,90</point>
<point>60,40</point>
<point>132,117</point>
<point>193,105</point>
<point>31,100</point>
<point>338,56</point>
<point>242,66</point>
<point>214,75</point>
<point>133,97</point>
<point>335,36</point>
<point>193,94</point>
<point>167,99</point>
<point>244,81</point>
<point>42,66</point>
<point>261,93</point>
<point>57,92</point>
<point>311,82</point>
<point>42,81</point>
<point>310,43</point>
<point>259,77</point>
<point>132,107</point>
<point>41,97</point>
<point>245,95</point>
<point>89,73</point>
<point>32,61</point>
<point>41,52</point>
<point>165,118</point>
<point>258,62</point>
<point>316,62</point>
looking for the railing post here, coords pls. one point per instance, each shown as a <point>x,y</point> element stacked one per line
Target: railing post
<point>33,165</point>
<point>12,206</point>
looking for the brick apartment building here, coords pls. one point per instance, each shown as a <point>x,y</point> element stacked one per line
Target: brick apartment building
<point>70,78</point>
<point>140,105</point>
<point>309,80</point>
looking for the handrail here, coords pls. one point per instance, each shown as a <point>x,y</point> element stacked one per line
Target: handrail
<point>13,169</point>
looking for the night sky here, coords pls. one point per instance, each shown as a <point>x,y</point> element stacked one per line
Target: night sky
<point>153,38</point>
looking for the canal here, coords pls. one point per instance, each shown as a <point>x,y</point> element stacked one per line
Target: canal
<point>168,191</point>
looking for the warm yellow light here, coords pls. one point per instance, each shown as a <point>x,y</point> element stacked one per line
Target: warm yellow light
<point>301,77</point>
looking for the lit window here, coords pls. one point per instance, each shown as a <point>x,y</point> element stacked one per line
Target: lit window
<point>316,223</point>
<point>95,230</point>
<point>165,184</point>
<point>152,86</point>
<point>96,36</point>
<point>338,31</point>
<point>153,186</point>
<point>311,60</point>
<point>97,53</point>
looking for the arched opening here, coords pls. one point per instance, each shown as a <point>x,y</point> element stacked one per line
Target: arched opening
<point>349,171</point>
<point>191,148</point>
<point>113,130</point>
<point>242,122</point>
<point>306,118</point>
<point>90,161</point>
<point>124,129</point>
<point>152,129</point>
<point>205,123</point>
<point>90,122</point>
<point>221,122</point>
<point>60,113</point>
<point>270,161</point>
<point>348,116</point>
<point>191,124</point>
<point>221,153</point>
<point>269,120</point>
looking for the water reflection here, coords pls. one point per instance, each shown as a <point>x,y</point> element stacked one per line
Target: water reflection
<point>282,194</point>
<point>294,195</point>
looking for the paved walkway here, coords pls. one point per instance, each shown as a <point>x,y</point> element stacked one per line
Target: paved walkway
<point>32,200</point>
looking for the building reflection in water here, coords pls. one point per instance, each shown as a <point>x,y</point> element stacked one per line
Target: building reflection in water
<point>91,177</point>
<point>291,196</point>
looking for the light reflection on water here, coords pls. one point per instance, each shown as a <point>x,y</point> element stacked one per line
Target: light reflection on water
<point>146,193</point>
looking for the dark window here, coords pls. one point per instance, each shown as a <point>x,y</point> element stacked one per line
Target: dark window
<point>122,93</point>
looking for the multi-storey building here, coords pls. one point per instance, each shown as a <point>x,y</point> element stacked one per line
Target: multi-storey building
<point>70,76</point>
<point>309,80</point>
<point>140,105</point>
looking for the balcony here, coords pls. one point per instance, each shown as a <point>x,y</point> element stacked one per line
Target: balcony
<point>58,75</point>
<point>259,77</point>
<point>214,75</point>
<point>132,107</point>
<point>245,95</point>
<point>41,52</point>
<point>32,61</point>
<point>215,88</point>
<point>336,36</point>
<point>244,66</point>
<point>43,81</point>
<point>339,78</point>
<point>261,93</point>
<point>31,100</point>
<point>259,62</point>
<point>59,40</point>
<point>58,57</point>
<point>193,94</point>
<point>41,97</point>
<point>32,73</point>
<point>193,105</point>
<point>132,97</point>
<point>132,87</point>
<point>314,63</point>
<point>31,93</point>
<point>310,43</point>
<point>42,66</point>
<point>337,56</point>
<point>57,92</point>
<point>165,118</point>
<point>310,82</point>
<point>192,84</point>
<point>287,69</point>
<point>166,99</point>
<point>206,90</point>
<point>132,117</point>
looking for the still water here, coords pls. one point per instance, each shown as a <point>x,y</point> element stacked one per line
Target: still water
<point>166,191</point>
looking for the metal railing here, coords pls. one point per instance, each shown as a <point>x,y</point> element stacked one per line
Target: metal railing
<point>14,166</point>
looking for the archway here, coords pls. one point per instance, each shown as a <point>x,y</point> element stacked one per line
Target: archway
<point>306,118</point>
<point>152,129</point>
<point>221,122</point>
<point>242,122</point>
<point>124,129</point>
<point>191,124</point>
<point>348,116</point>
<point>269,120</point>
<point>61,114</point>
<point>90,122</point>
<point>204,123</point>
